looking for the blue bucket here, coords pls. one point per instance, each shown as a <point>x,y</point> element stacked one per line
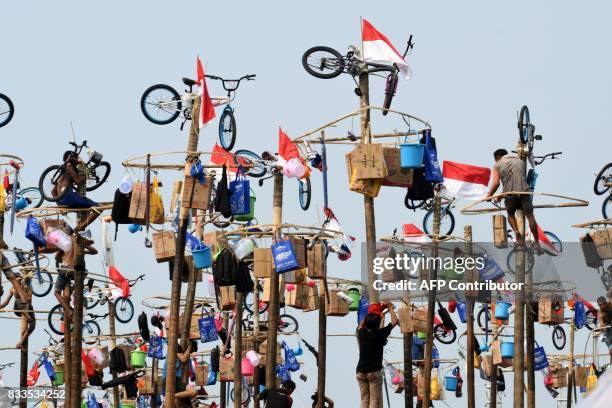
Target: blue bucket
<point>21,203</point>
<point>202,258</point>
<point>501,310</point>
<point>507,350</point>
<point>451,383</point>
<point>484,347</point>
<point>411,155</point>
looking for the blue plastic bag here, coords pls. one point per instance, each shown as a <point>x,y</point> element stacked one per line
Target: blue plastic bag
<point>49,368</point>
<point>435,357</point>
<point>212,378</point>
<point>291,362</point>
<point>284,256</point>
<point>34,233</point>
<point>91,401</point>
<point>430,160</point>
<point>579,314</point>
<point>362,311</point>
<point>156,347</point>
<point>491,271</point>
<point>540,361</point>
<point>462,311</point>
<point>208,330</point>
<point>240,194</point>
<point>417,349</point>
<point>283,372</point>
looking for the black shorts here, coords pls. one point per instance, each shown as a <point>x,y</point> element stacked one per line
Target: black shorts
<point>519,202</point>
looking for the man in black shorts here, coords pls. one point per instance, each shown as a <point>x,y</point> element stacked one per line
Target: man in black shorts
<point>511,170</point>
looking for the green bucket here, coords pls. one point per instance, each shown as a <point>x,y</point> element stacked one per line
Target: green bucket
<point>128,405</point>
<point>421,335</point>
<point>137,358</point>
<point>355,295</point>
<point>251,214</point>
<point>59,378</point>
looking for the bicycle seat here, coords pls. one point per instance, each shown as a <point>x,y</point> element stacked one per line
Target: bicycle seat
<point>189,82</point>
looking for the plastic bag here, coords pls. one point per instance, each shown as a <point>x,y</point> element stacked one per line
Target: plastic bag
<point>284,256</point>
<point>579,315</point>
<point>34,233</point>
<point>240,202</point>
<point>430,160</point>
<point>208,329</point>
<point>156,205</point>
<point>291,362</point>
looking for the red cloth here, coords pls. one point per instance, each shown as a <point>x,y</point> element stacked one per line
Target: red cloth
<point>33,374</point>
<point>119,280</point>
<point>6,181</point>
<point>377,308</point>
<point>286,148</point>
<point>88,367</point>
<point>452,305</point>
<point>207,110</point>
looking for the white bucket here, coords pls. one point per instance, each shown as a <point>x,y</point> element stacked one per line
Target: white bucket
<point>244,247</point>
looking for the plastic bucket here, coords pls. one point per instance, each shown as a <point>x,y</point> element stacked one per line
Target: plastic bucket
<point>202,258</point>
<point>450,383</point>
<point>502,310</point>
<point>507,350</point>
<point>411,155</point>
<point>128,404</point>
<point>21,203</point>
<point>244,248</point>
<point>253,357</point>
<point>421,335</point>
<point>59,378</point>
<point>137,358</point>
<point>355,295</point>
<point>251,214</point>
<point>246,367</point>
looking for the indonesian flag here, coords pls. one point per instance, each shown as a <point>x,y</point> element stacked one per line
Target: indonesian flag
<point>220,156</point>
<point>286,148</point>
<point>207,110</point>
<point>378,49</point>
<point>545,241</point>
<point>412,233</point>
<point>332,224</point>
<point>119,280</point>
<point>465,181</point>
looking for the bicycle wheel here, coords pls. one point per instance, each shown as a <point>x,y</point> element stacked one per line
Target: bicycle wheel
<point>32,195</point>
<point>390,91</point>
<point>56,319</point>
<point>90,297</point>
<point>523,124</point>
<point>606,208</point>
<point>227,129</point>
<point>323,62</point>
<point>98,175</point>
<point>558,337</point>
<point>287,324</point>
<point>604,176</point>
<point>481,318</point>
<point>511,261</point>
<point>161,104</point>
<point>7,110</point>
<point>591,320</point>
<point>47,182</point>
<point>249,306</point>
<point>447,222</point>
<point>91,330</point>
<point>246,394</point>
<point>41,285</point>
<point>412,204</point>
<point>251,161</point>
<point>305,193</point>
<point>555,241</point>
<point>124,309</point>
<point>443,335</point>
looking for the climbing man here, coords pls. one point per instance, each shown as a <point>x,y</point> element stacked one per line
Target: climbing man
<point>22,308</point>
<point>278,398</point>
<point>510,169</point>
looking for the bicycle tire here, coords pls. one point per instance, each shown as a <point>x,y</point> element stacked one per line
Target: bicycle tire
<point>8,112</point>
<point>284,327</point>
<point>606,207</point>
<point>124,309</point>
<point>55,319</point>
<point>510,262</point>
<point>172,97</point>
<point>248,304</point>
<point>91,328</point>
<point>53,171</point>
<point>245,390</point>
<point>554,239</point>
<point>443,335</point>
<point>558,337</point>
<point>446,217</point>
<point>33,194</point>
<point>523,124</point>
<point>336,65</point>
<point>105,168</point>
<point>305,193</point>
<point>602,177</point>
<point>41,287</point>
<point>480,317</point>
<point>94,302</point>
<point>251,162</point>
<point>390,91</point>
<point>227,129</point>
<point>412,204</point>
<point>591,320</point>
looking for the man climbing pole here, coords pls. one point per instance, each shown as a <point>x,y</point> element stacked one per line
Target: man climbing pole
<point>510,170</point>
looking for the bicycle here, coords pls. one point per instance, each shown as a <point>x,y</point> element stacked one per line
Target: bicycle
<point>41,282</point>
<point>445,329</point>
<point>325,63</point>
<point>447,219</point>
<point>7,110</point>
<point>97,173</point>
<point>124,308</point>
<point>31,198</point>
<point>603,182</point>
<point>90,329</point>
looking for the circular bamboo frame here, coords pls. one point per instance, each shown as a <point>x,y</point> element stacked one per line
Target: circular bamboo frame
<point>575,202</point>
<point>146,302</point>
<point>22,264</point>
<point>597,224</point>
<point>43,212</point>
<point>132,162</point>
<point>441,239</point>
<point>269,230</point>
<point>12,157</point>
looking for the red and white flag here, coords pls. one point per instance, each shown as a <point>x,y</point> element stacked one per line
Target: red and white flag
<point>412,233</point>
<point>207,110</point>
<point>543,238</point>
<point>220,157</point>
<point>286,148</point>
<point>465,181</point>
<point>119,280</point>
<point>377,48</point>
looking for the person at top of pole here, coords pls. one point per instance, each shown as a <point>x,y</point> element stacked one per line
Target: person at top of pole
<point>510,170</point>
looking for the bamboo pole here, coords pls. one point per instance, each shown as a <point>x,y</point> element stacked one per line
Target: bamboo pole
<point>570,374</point>
<point>256,379</point>
<point>67,351</point>
<point>431,302</point>
<point>238,349</point>
<point>113,344</point>
<point>407,340</point>
<point>495,329</point>
<point>179,259</point>
<point>223,386</point>
<point>273,308</point>
<point>469,304</point>
<point>322,357</point>
<point>530,335</point>
<point>23,366</point>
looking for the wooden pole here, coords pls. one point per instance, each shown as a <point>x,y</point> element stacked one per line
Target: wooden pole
<point>256,379</point>
<point>23,367</point>
<point>530,336</point>
<point>431,302</point>
<point>408,396</point>
<point>277,217</point>
<point>179,259</point>
<point>113,344</point>
<point>322,357</point>
<point>570,374</point>
<point>223,386</point>
<point>493,397</point>
<point>67,351</point>
<point>238,350</point>
<point>469,305</point>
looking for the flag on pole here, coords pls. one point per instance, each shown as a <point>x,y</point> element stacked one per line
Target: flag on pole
<point>543,238</point>
<point>377,48</point>
<point>207,110</point>
<point>286,148</point>
<point>220,156</point>
<point>412,233</point>
<point>465,181</point>
<point>119,280</point>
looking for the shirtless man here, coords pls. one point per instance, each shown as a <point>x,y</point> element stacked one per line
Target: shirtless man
<point>22,305</point>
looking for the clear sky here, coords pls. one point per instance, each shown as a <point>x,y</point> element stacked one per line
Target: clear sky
<point>475,63</point>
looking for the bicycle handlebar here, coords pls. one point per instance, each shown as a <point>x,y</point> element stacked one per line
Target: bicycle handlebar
<point>132,282</point>
<point>94,316</point>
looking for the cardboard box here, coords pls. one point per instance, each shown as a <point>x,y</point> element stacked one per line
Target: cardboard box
<point>404,314</point>
<point>299,248</point>
<point>419,319</point>
<point>368,161</point>
<point>226,368</point>
<point>201,374</point>
<point>227,297</point>
<point>336,306</point>
<point>397,176</point>
<point>368,188</point>
<point>196,195</point>
<point>263,351</point>
<point>471,276</point>
<point>263,265</point>
<point>298,297</point>
<point>317,264</point>
<point>295,276</point>
<point>138,203</point>
<point>559,375</point>
<point>215,240</point>
<point>500,231</point>
<point>603,242</point>
<point>550,312</point>
<point>313,299</point>
<point>164,245</point>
